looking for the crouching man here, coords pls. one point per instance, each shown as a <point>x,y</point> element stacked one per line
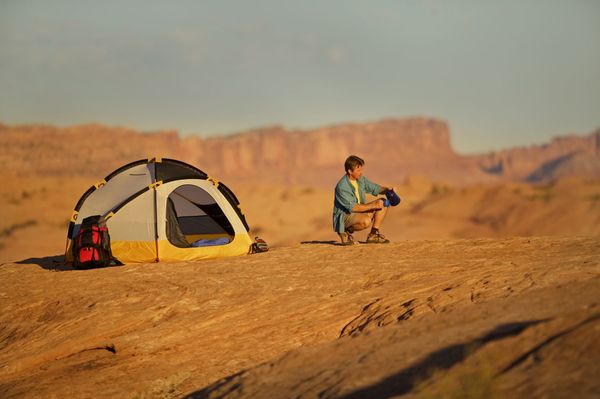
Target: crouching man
<point>350,210</point>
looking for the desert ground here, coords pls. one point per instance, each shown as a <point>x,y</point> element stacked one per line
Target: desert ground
<point>485,291</point>
<point>514,317</point>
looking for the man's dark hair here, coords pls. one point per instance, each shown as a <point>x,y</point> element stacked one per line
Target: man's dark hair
<point>352,162</point>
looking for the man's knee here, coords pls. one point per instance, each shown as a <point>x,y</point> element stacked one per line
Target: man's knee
<point>362,223</point>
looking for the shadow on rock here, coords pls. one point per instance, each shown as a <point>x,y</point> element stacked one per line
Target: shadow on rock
<point>397,384</point>
<point>330,242</point>
<point>404,381</point>
<point>55,263</point>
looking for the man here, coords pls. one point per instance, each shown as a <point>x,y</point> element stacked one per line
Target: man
<point>350,210</point>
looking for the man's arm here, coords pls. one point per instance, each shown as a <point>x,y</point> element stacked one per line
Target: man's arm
<point>374,188</point>
<point>371,206</point>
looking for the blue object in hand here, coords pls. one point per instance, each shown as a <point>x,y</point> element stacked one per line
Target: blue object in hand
<point>386,203</point>
<point>392,198</point>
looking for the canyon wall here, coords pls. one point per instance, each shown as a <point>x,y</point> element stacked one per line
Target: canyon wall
<point>392,148</point>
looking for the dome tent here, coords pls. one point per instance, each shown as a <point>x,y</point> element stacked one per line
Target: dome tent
<point>156,208</point>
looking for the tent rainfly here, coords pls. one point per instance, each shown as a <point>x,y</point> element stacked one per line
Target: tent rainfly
<point>164,210</point>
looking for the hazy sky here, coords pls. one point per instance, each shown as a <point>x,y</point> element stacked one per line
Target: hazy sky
<point>502,73</point>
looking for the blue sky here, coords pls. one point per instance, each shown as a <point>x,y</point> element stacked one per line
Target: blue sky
<point>501,73</point>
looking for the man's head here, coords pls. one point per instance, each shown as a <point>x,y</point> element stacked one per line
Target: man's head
<point>353,167</point>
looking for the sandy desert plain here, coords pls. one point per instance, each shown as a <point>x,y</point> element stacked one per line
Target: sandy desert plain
<point>488,290</point>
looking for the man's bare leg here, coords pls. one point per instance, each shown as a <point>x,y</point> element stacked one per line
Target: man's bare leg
<point>360,221</point>
<point>375,237</point>
<point>379,217</point>
<point>364,220</point>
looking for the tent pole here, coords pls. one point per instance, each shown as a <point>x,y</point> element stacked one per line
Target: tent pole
<point>66,248</point>
<point>156,224</point>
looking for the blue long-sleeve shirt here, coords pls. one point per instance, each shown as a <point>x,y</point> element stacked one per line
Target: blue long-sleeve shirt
<point>345,198</point>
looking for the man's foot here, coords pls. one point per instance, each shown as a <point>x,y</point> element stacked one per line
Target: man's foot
<point>377,238</point>
<point>347,239</point>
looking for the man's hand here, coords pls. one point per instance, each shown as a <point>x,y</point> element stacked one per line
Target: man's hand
<point>377,204</point>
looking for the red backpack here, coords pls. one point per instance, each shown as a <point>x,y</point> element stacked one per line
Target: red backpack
<point>91,245</point>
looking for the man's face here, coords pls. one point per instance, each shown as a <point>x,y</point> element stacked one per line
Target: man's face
<point>355,173</point>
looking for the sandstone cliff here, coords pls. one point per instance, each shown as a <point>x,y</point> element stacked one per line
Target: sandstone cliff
<point>393,149</point>
<point>542,162</point>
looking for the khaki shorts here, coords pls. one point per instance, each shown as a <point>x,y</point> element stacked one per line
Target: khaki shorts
<point>349,218</point>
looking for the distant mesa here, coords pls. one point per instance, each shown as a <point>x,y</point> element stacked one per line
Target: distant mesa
<point>393,149</point>
<point>577,164</point>
<point>564,156</point>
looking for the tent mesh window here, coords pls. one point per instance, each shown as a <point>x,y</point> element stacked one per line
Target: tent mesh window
<point>193,214</point>
<point>170,170</point>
